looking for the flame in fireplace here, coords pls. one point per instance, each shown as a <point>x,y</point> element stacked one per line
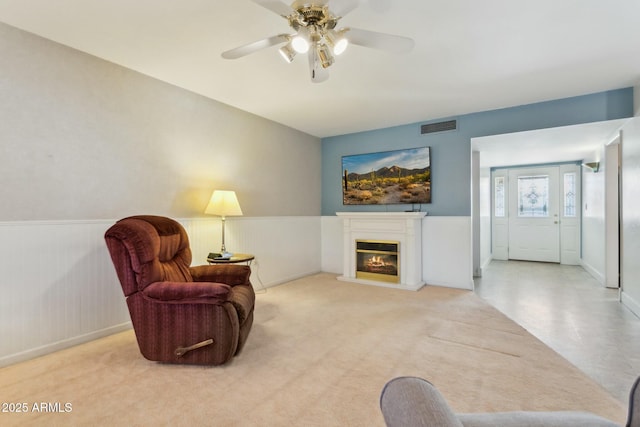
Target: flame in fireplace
<point>376,261</point>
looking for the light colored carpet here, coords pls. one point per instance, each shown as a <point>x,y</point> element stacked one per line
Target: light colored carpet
<point>319,354</point>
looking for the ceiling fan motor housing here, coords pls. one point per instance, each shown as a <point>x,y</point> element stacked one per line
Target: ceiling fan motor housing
<point>313,16</point>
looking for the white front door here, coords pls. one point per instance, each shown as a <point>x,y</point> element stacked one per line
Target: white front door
<point>534,223</point>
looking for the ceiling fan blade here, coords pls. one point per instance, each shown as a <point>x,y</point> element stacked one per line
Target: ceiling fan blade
<point>342,7</point>
<point>276,6</point>
<point>382,41</point>
<point>318,73</point>
<point>248,48</point>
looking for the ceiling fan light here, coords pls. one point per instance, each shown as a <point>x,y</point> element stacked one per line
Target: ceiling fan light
<point>337,41</point>
<point>300,44</point>
<point>287,52</point>
<point>340,46</point>
<point>324,55</point>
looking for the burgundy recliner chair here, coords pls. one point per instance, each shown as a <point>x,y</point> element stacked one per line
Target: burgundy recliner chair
<point>180,314</point>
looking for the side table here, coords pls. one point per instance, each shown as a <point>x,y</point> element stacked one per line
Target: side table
<point>234,259</point>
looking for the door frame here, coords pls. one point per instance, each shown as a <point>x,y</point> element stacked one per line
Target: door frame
<point>570,227</point>
<point>613,188</point>
<point>482,185</point>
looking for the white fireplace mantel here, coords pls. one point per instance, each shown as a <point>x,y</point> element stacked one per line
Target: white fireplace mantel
<point>404,227</point>
<point>383,215</point>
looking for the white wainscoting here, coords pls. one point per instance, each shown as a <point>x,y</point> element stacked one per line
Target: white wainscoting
<point>285,248</point>
<point>59,287</point>
<point>446,250</point>
<point>332,244</point>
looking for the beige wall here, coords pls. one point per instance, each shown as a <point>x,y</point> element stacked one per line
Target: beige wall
<point>83,138</point>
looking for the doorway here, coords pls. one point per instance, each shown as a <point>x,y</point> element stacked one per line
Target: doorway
<point>554,146</point>
<point>536,213</point>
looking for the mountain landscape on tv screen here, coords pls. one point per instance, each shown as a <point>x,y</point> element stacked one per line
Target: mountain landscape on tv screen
<point>387,185</point>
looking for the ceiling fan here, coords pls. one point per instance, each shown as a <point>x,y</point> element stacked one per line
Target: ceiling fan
<point>314,23</point>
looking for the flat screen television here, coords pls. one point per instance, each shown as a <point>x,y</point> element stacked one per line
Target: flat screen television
<point>387,177</point>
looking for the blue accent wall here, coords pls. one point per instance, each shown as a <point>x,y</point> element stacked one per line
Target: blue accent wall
<point>451,150</point>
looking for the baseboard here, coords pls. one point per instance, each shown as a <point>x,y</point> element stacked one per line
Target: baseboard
<point>486,263</point>
<point>61,345</point>
<point>285,280</point>
<point>414,287</point>
<point>592,271</point>
<point>630,303</point>
<point>467,287</point>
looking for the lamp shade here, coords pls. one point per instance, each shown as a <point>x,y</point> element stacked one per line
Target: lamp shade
<point>223,203</point>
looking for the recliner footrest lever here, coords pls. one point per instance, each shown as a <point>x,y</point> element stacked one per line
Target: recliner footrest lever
<point>181,351</point>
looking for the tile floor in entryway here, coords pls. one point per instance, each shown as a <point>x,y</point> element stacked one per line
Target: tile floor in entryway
<point>568,310</point>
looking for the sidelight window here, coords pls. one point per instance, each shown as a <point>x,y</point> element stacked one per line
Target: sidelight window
<point>499,197</point>
<point>570,194</point>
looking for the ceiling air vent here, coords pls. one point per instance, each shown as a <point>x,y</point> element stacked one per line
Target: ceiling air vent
<point>439,127</point>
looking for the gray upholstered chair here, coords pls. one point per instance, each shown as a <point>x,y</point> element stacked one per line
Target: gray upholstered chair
<point>415,402</point>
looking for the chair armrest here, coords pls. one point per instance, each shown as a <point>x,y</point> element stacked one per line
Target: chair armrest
<point>535,419</point>
<point>633,419</point>
<point>243,299</point>
<point>413,402</point>
<point>222,273</point>
<point>188,292</point>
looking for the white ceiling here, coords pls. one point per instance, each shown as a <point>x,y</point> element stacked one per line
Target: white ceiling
<point>469,55</point>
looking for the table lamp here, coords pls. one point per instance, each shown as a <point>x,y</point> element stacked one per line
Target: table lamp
<point>223,203</point>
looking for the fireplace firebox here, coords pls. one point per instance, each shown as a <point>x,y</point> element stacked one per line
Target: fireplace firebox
<point>378,260</point>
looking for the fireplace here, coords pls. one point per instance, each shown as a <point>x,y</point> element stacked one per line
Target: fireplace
<point>367,233</point>
<point>377,260</point>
